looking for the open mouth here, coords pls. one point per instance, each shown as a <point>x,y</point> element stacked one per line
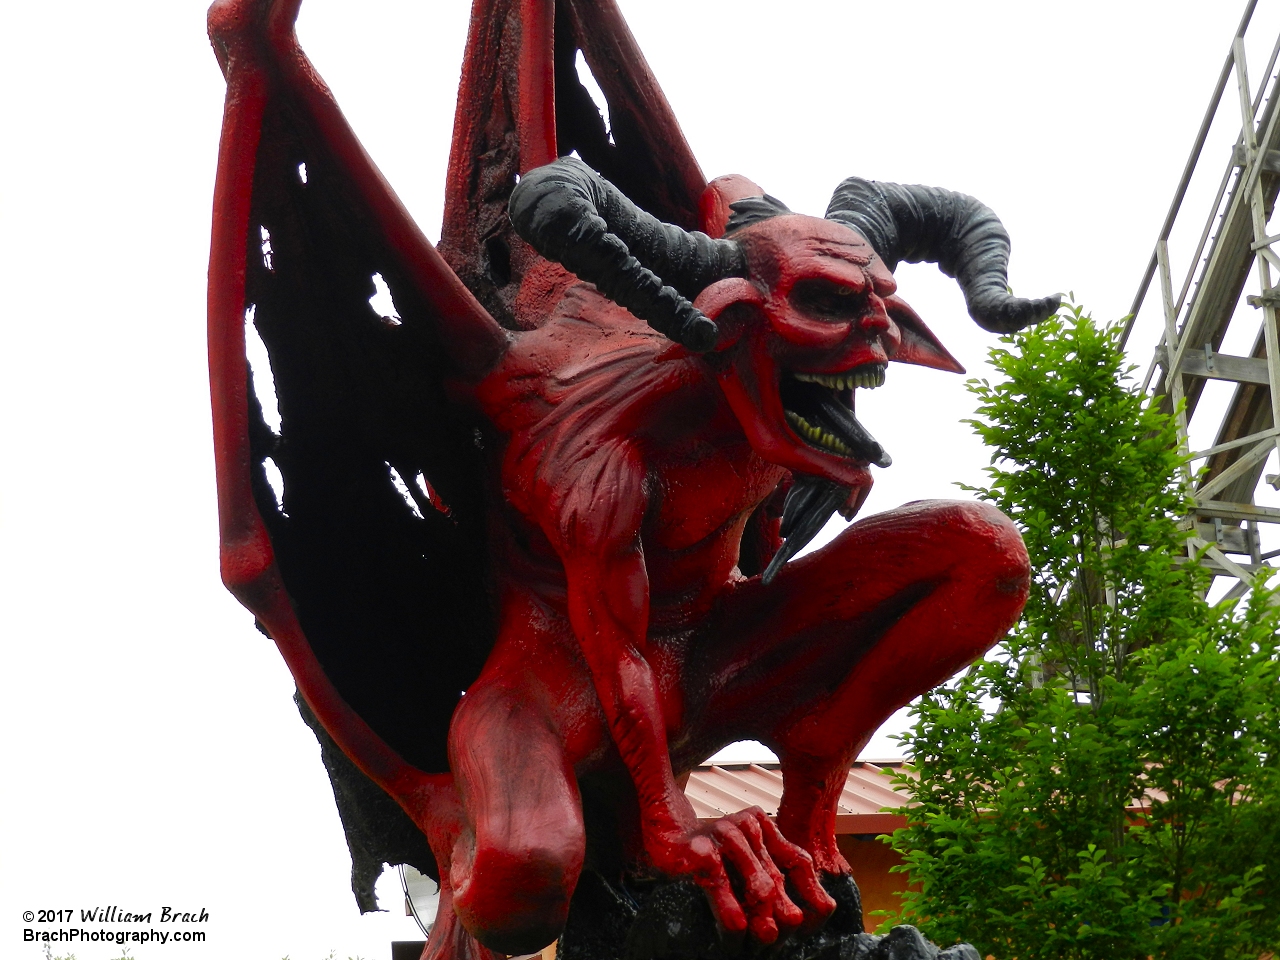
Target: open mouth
<point>819,410</point>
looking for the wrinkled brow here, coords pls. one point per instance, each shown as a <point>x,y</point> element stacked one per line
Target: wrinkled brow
<point>853,251</point>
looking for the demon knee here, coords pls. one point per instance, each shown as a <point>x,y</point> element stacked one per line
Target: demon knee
<point>512,893</point>
<point>514,870</point>
<point>995,557</point>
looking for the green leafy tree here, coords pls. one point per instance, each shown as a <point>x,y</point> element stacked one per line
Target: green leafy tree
<point>1107,783</point>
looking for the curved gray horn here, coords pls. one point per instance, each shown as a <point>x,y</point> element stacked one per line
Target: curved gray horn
<point>570,214</point>
<point>961,235</point>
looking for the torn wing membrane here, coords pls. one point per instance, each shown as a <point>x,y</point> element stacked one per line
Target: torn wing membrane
<point>588,81</point>
<point>418,496</point>
<point>382,302</point>
<point>268,254</point>
<point>432,496</point>
<point>260,372</point>
<point>275,480</point>
<point>402,488</point>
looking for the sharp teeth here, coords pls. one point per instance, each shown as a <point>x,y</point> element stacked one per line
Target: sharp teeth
<point>817,435</point>
<point>833,443</point>
<point>867,377</point>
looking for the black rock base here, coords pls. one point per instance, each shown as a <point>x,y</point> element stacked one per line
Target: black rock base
<point>673,921</point>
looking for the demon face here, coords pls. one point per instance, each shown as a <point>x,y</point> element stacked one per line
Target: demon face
<point>815,319</point>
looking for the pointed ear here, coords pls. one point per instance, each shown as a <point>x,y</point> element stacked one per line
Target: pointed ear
<point>720,192</point>
<point>919,345</point>
<point>716,299</point>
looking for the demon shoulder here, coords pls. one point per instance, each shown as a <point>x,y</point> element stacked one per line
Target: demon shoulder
<point>573,398</point>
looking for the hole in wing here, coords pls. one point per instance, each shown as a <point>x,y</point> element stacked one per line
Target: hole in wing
<point>384,305</point>
<point>429,492</point>
<point>588,80</point>
<point>268,254</point>
<point>302,172</point>
<point>275,480</point>
<point>261,375</point>
<point>402,488</point>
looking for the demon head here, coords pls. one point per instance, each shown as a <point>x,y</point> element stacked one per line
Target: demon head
<point>793,313</point>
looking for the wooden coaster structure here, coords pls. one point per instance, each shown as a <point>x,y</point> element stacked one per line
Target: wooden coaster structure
<point>1227,526</point>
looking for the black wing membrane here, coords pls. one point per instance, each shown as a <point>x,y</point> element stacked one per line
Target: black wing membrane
<point>641,150</point>
<point>379,527</point>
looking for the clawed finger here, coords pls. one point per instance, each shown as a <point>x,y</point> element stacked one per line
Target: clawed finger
<point>761,891</point>
<point>710,875</point>
<point>755,836</point>
<point>799,866</point>
<point>755,825</point>
<point>763,859</point>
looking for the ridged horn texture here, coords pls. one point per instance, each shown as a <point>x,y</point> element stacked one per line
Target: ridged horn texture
<point>961,235</point>
<point>572,215</point>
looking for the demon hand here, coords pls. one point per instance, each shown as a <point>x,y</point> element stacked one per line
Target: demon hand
<point>608,607</point>
<point>750,844</point>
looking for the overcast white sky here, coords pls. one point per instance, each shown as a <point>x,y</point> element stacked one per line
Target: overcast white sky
<point>152,754</point>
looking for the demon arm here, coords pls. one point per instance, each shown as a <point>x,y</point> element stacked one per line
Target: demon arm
<point>598,539</point>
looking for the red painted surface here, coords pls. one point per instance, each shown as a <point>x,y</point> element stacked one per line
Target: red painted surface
<point>628,643</point>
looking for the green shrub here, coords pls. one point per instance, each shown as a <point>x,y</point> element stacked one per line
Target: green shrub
<point>1107,783</point>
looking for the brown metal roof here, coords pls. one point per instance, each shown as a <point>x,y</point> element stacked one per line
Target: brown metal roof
<point>719,789</point>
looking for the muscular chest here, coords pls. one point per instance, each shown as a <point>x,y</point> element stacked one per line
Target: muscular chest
<point>594,414</point>
<point>694,533</point>
<point>703,494</point>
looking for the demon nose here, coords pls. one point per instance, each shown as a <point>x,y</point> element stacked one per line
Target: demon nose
<point>876,319</point>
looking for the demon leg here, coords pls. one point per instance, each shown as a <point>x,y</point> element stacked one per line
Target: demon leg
<point>815,663</point>
<point>449,939</point>
<point>514,864</point>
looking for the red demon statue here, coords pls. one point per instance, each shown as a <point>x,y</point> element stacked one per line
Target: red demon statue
<point>527,550</point>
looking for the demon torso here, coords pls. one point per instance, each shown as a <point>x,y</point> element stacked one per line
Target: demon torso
<point>612,434</point>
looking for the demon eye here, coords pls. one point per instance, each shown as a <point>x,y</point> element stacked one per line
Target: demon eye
<point>824,300</point>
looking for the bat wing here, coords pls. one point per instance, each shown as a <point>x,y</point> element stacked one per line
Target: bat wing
<point>351,472</point>
<point>351,497</point>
